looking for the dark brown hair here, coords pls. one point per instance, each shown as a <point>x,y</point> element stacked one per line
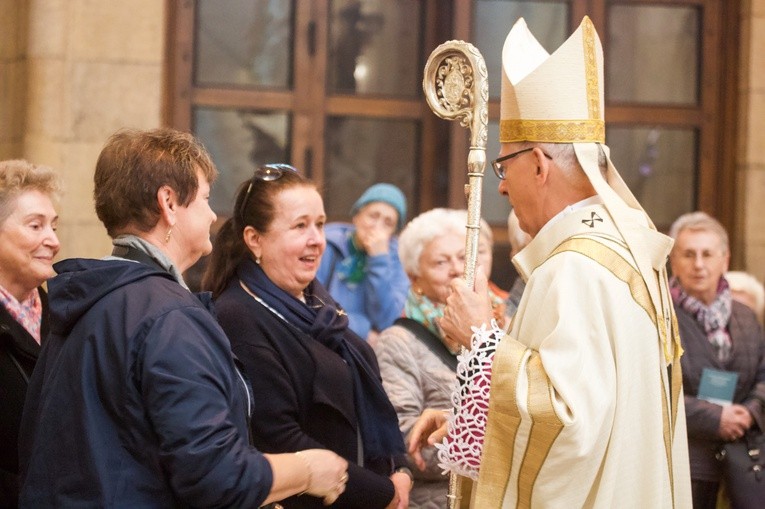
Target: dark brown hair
<point>229,248</point>
<point>134,164</point>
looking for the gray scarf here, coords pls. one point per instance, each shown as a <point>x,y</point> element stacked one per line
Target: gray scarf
<point>151,250</point>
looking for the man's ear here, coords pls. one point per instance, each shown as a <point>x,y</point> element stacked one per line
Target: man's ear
<point>543,165</point>
<point>252,239</point>
<point>167,199</point>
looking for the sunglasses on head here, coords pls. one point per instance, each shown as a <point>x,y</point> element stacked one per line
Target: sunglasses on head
<point>268,173</point>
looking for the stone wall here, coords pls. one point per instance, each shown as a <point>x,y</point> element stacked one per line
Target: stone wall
<point>751,165</point>
<point>93,67</point>
<point>13,77</point>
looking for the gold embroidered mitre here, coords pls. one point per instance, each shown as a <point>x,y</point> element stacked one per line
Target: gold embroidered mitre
<point>554,98</point>
<point>558,98</point>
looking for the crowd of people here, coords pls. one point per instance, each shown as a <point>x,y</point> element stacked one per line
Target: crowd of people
<point>319,363</point>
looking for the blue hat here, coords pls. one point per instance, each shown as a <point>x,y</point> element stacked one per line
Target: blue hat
<point>386,193</point>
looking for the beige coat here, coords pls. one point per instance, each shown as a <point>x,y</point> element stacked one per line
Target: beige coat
<point>415,379</point>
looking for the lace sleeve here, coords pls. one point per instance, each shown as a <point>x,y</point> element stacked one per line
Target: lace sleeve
<point>460,451</point>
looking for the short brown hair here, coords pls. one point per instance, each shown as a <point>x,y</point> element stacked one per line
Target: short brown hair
<point>18,176</point>
<point>134,164</point>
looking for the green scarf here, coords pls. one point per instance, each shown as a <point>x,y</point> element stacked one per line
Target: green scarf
<point>353,267</point>
<point>422,310</point>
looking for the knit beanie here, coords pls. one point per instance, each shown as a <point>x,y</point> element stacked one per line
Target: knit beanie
<point>386,193</point>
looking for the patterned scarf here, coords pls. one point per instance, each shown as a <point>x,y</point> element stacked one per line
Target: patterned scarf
<point>713,318</point>
<point>421,309</point>
<point>27,312</point>
<point>321,320</point>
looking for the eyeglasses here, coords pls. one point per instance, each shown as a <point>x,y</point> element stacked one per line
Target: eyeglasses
<point>499,170</point>
<point>690,256</point>
<point>268,173</point>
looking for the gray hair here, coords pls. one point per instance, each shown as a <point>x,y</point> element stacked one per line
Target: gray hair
<point>700,221</point>
<point>18,176</point>
<point>424,228</point>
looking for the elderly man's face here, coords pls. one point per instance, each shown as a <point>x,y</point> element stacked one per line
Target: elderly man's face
<point>519,187</point>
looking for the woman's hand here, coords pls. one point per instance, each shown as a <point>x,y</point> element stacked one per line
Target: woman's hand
<point>327,474</point>
<point>734,421</point>
<point>430,427</point>
<point>374,240</point>
<point>403,484</point>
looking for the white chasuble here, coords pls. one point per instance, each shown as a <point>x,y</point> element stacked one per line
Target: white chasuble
<point>586,408</point>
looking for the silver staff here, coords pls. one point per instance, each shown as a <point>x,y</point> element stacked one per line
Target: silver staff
<point>456,87</point>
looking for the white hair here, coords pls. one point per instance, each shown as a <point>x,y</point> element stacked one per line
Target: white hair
<point>424,228</point>
<point>744,282</point>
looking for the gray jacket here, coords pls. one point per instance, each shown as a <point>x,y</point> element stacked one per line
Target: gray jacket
<point>415,379</point>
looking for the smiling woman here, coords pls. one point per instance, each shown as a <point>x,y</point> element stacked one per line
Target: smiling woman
<point>28,244</point>
<point>137,381</point>
<point>315,382</point>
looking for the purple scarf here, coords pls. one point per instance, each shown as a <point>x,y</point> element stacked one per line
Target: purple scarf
<point>713,318</point>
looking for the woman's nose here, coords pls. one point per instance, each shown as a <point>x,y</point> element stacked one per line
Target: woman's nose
<point>51,239</point>
<point>316,235</point>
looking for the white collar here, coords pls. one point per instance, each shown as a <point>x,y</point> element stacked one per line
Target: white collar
<point>568,209</point>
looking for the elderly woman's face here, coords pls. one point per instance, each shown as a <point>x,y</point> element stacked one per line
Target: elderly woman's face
<point>375,224</point>
<point>485,255</point>
<point>699,260</point>
<point>28,243</point>
<point>442,260</point>
<point>291,249</point>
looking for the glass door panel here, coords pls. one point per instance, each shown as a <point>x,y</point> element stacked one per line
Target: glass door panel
<point>493,19</point>
<point>375,47</point>
<point>659,166</point>
<point>653,54</point>
<point>244,43</point>
<point>363,151</point>
<point>239,141</point>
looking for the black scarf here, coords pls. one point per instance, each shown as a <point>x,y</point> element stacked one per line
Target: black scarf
<point>377,418</point>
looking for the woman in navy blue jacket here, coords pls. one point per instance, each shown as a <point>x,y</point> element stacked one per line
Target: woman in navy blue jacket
<point>136,400</point>
<point>315,382</point>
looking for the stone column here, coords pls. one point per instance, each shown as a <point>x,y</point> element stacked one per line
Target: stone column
<point>94,66</point>
<point>13,77</point>
<point>751,167</point>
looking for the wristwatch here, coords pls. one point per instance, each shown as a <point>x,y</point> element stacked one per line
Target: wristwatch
<point>407,471</point>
